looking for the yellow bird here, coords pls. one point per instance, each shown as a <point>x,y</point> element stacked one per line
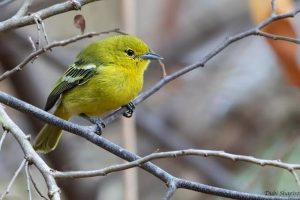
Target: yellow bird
<point>106,75</point>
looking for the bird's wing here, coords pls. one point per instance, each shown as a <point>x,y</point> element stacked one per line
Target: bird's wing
<point>75,75</point>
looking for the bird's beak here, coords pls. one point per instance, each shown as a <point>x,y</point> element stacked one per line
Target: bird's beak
<point>151,56</point>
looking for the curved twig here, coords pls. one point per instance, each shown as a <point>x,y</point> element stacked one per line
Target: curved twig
<point>49,47</point>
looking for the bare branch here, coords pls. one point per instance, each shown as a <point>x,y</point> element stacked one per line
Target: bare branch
<point>175,154</point>
<point>2,138</point>
<point>32,44</point>
<point>293,171</point>
<point>66,6</point>
<point>40,29</point>
<point>24,9</point>
<point>35,186</point>
<point>13,180</point>
<point>48,47</point>
<point>28,180</point>
<point>30,154</point>
<point>87,133</point>
<point>163,68</point>
<point>5,2</point>
<point>278,37</point>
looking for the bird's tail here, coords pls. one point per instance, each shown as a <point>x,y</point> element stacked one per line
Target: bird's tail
<point>49,135</point>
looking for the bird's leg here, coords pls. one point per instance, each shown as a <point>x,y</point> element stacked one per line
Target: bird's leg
<point>130,109</point>
<point>97,121</point>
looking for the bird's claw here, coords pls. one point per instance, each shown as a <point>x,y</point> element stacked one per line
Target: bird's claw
<point>130,109</point>
<point>100,124</point>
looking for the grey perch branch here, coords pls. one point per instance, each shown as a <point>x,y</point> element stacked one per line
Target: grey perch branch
<point>87,133</point>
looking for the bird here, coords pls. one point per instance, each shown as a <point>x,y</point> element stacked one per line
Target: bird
<point>105,76</point>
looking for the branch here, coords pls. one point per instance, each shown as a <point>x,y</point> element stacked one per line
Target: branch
<point>20,21</point>
<point>48,47</point>
<point>278,37</point>
<point>2,138</point>
<point>35,186</point>
<point>28,180</point>
<point>175,154</point>
<point>17,172</point>
<point>40,26</point>
<point>87,133</point>
<point>30,154</point>
<point>293,171</point>
<point>5,2</point>
<point>24,9</point>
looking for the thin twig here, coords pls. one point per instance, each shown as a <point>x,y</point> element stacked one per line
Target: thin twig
<point>163,68</point>
<point>13,180</point>
<point>278,37</point>
<point>35,186</point>
<point>44,31</point>
<point>51,46</point>
<point>30,154</point>
<point>175,154</point>
<point>40,28</point>
<point>32,44</point>
<point>58,8</point>
<point>5,2</point>
<point>2,138</point>
<point>293,171</point>
<point>28,180</point>
<point>24,9</point>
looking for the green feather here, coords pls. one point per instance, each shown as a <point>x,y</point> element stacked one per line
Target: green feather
<point>75,75</point>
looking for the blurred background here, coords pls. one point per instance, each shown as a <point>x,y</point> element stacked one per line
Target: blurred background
<point>244,101</point>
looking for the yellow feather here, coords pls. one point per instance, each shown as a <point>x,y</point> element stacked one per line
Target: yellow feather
<point>49,136</point>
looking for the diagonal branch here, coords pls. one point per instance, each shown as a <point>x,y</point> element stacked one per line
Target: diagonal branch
<point>2,197</point>
<point>59,8</point>
<point>278,37</point>
<point>35,185</point>
<point>49,47</point>
<point>87,133</point>
<point>30,154</point>
<point>24,9</point>
<point>2,138</point>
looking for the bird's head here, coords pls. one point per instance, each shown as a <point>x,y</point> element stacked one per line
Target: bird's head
<point>122,50</point>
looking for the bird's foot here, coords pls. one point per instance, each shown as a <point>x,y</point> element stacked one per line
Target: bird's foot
<point>100,124</point>
<point>130,109</point>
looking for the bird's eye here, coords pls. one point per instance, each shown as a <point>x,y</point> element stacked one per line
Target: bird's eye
<point>129,52</point>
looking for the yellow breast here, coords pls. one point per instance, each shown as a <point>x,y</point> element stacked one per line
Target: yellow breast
<point>109,89</point>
